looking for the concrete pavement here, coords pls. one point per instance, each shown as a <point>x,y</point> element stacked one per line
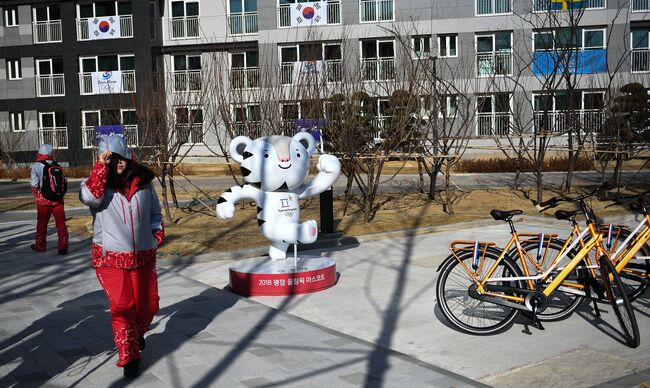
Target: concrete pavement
<point>379,326</point>
<point>55,331</point>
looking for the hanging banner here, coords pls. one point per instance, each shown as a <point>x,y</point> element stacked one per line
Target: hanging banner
<point>107,82</point>
<point>307,71</point>
<point>105,27</point>
<point>313,13</point>
<point>566,4</point>
<point>590,61</point>
<point>313,126</point>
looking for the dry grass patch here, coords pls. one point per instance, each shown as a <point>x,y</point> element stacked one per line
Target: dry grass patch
<point>200,232</point>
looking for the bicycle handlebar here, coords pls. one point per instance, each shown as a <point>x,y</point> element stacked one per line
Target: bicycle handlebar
<point>554,201</point>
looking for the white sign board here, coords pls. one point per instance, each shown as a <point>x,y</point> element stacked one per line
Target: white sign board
<point>309,14</point>
<point>104,27</point>
<point>107,82</point>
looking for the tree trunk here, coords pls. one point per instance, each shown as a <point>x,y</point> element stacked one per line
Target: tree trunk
<point>433,180</point>
<point>163,185</point>
<point>421,162</point>
<point>172,187</point>
<point>616,177</point>
<point>571,166</point>
<point>448,205</point>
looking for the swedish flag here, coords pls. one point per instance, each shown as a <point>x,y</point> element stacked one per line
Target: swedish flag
<point>566,4</point>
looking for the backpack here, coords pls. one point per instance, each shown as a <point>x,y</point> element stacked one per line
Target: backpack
<point>54,184</point>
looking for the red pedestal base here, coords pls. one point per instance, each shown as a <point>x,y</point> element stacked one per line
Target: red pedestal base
<point>263,276</point>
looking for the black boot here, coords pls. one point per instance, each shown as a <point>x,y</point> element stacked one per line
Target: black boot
<point>132,368</point>
<point>143,343</point>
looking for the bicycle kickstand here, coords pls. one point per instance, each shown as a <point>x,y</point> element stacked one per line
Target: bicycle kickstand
<point>536,321</point>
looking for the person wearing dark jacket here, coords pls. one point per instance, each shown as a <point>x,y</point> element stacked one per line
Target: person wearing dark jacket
<point>45,208</point>
<point>127,229</point>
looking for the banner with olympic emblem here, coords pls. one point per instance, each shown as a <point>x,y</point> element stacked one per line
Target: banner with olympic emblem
<point>105,27</point>
<point>313,13</point>
<point>107,82</point>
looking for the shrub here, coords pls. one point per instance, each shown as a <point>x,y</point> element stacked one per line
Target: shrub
<point>554,163</point>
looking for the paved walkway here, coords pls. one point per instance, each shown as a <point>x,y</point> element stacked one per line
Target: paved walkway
<point>55,331</point>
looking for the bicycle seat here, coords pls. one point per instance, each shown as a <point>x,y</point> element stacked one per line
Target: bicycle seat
<point>566,214</point>
<point>504,215</point>
<point>635,207</point>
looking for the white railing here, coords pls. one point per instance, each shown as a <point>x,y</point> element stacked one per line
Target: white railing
<point>88,136</point>
<point>243,23</point>
<point>559,122</point>
<point>376,10</point>
<point>47,32</point>
<point>189,133</point>
<point>245,78</point>
<point>641,61</point>
<point>496,63</point>
<point>184,27</point>
<point>333,13</point>
<point>50,85</point>
<point>640,5</point>
<point>378,69</point>
<point>252,129</point>
<point>128,83</point>
<point>186,80</point>
<point>286,73</point>
<point>334,68</point>
<point>492,7</point>
<point>493,124</point>
<point>380,123</point>
<point>126,28</point>
<point>57,136</point>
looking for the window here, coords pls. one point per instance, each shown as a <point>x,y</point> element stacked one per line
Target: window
<point>188,8</point>
<point>448,106</point>
<point>11,16</point>
<point>47,13</point>
<point>187,72</point>
<point>494,54</point>
<point>640,5</point>
<point>421,46</point>
<point>493,114</point>
<point>52,129</point>
<point>376,10</point>
<point>447,45</point>
<point>492,7</point>
<point>14,70</point>
<point>550,5</point>
<point>377,58</point>
<point>49,77</point>
<point>246,120</point>
<point>17,121</point>
<point>244,71</point>
<point>640,39</point>
<point>189,124</point>
<point>243,16</point>
<point>567,38</point>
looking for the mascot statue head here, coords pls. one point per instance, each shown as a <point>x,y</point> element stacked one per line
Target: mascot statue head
<point>274,163</point>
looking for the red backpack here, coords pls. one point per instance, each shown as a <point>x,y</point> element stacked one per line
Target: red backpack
<point>54,184</point>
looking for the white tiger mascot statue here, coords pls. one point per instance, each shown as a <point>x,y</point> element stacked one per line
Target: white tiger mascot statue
<point>275,169</point>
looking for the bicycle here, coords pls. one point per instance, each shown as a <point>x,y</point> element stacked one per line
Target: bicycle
<point>486,304</point>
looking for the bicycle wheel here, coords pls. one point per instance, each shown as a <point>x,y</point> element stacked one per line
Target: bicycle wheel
<point>561,304</point>
<point>466,313</point>
<point>620,303</point>
<point>632,277</point>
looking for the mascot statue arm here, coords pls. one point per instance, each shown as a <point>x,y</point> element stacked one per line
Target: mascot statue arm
<point>329,169</point>
<point>227,200</point>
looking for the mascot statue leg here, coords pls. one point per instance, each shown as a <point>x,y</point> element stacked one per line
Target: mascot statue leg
<point>278,250</point>
<point>283,234</point>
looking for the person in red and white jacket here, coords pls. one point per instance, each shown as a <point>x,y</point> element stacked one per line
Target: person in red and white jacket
<point>127,230</point>
<point>46,207</point>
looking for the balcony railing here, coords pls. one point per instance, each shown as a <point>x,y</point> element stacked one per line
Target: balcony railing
<point>243,23</point>
<point>640,5</point>
<point>245,78</point>
<point>50,85</point>
<point>493,124</point>
<point>126,28</point>
<point>286,73</point>
<point>127,83</point>
<point>333,13</point>
<point>492,7</point>
<point>558,122</point>
<point>186,80</point>
<point>189,133</point>
<point>334,70</point>
<point>88,136</point>
<point>546,5</point>
<point>641,61</point>
<point>57,136</point>
<point>378,69</point>
<point>496,63</point>
<point>252,129</point>
<point>47,32</point>
<point>184,27</point>
<point>376,10</point>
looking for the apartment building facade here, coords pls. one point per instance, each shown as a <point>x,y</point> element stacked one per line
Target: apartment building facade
<point>256,41</point>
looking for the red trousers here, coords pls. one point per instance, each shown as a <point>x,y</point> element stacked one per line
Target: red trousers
<point>133,298</point>
<point>43,218</point>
